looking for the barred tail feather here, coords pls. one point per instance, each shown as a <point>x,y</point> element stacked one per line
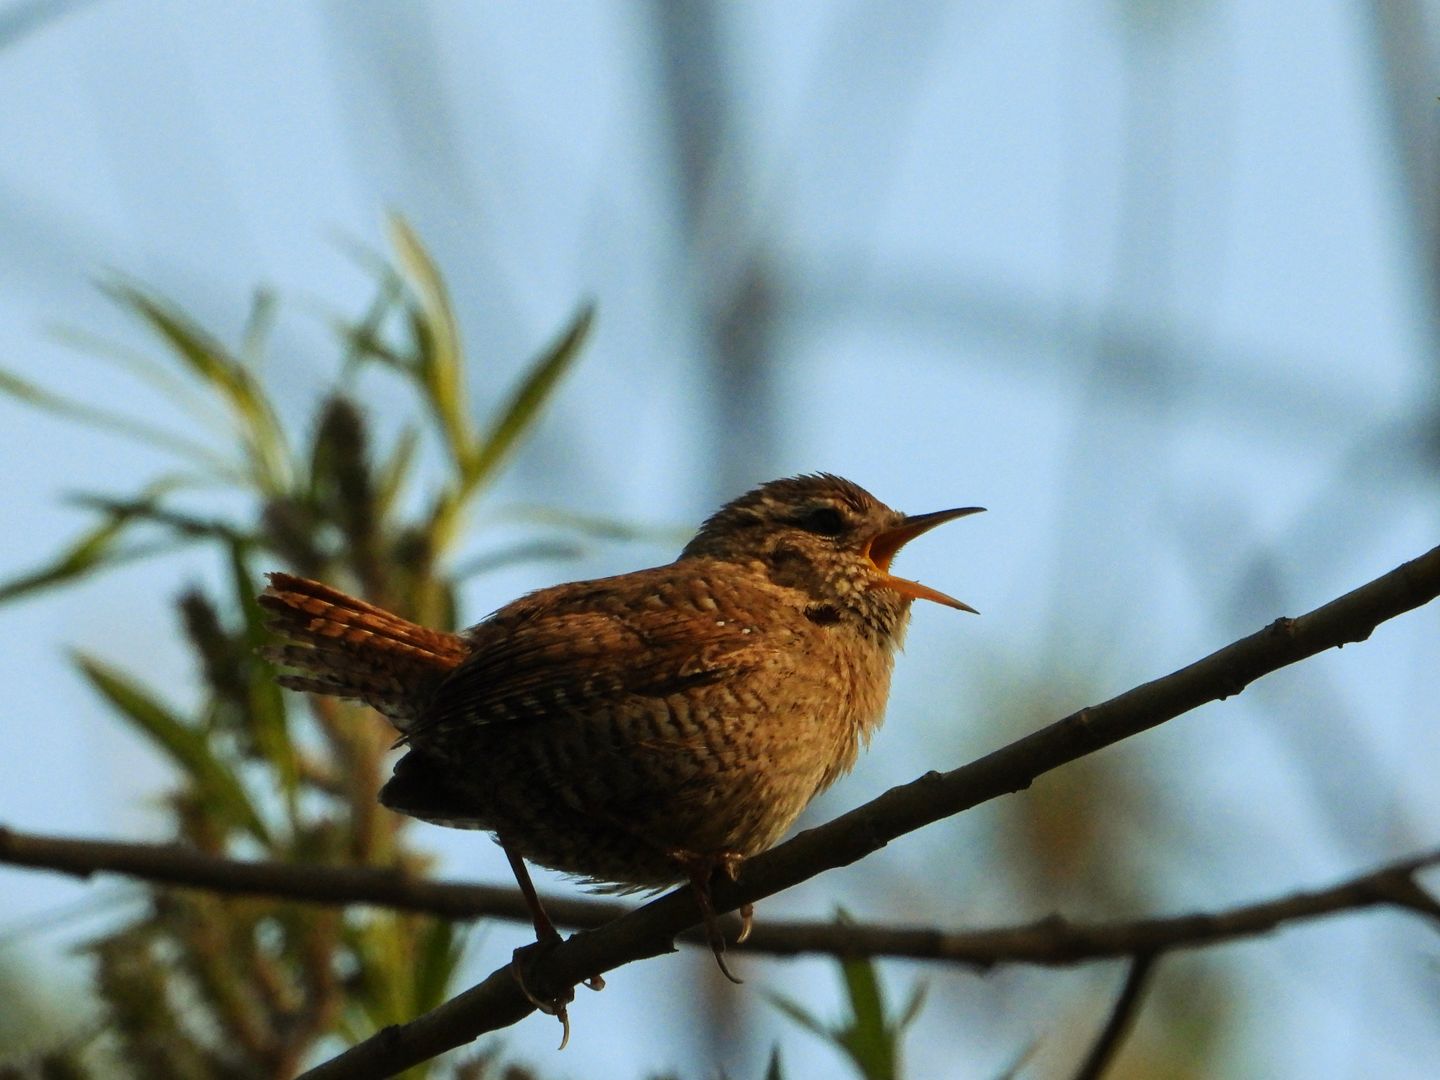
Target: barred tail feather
<point>344,647</point>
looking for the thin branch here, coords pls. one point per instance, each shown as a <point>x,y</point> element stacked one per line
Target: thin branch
<point>1052,941</point>
<point>172,864</point>
<point>499,1001</point>
<point>1122,1018</point>
<point>1056,941</point>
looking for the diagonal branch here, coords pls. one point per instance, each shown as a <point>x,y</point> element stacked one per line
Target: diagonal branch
<point>498,1001</point>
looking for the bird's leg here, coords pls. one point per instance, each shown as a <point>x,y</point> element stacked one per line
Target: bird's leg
<point>546,938</point>
<point>700,868</point>
<point>544,928</point>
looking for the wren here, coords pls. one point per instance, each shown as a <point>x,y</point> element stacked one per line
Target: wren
<point>646,729</point>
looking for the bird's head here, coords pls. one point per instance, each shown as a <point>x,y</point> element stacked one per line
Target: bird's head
<point>832,540</point>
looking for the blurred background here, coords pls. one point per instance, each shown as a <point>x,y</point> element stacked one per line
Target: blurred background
<point>1156,282</point>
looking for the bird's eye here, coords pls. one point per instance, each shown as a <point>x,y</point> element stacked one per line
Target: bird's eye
<point>824,521</point>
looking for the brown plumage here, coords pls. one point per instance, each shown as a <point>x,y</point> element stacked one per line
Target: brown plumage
<point>649,728</point>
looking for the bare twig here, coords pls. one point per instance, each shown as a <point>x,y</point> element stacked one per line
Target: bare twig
<point>1052,941</point>
<point>1122,1017</point>
<point>172,864</point>
<point>499,1001</point>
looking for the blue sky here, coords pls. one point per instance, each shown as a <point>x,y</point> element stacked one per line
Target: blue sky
<point>1140,277</point>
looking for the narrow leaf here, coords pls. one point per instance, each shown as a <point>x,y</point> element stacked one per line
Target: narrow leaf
<point>269,725</point>
<point>596,526</point>
<point>911,1012</point>
<point>862,987</point>
<point>98,548</point>
<point>429,285</point>
<point>264,305</point>
<point>213,364</point>
<point>362,338</point>
<point>524,405</point>
<point>64,571</point>
<point>93,549</point>
<point>144,368</point>
<point>378,988</point>
<point>147,509</point>
<point>437,334</point>
<point>183,743</point>
<point>439,952</point>
<point>801,1016</point>
<point>391,476</point>
<point>105,420</point>
<point>205,356</point>
<point>527,552</point>
<point>442,528</point>
<point>868,1038</point>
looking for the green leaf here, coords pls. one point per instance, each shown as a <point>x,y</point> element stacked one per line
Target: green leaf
<point>384,957</point>
<point>362,338</point>
<point>526,552</point>
<point>364,343</point>
<point>183,743</point>
<point>205,356</point>
<point>212,363</point>
<point>437,334</point>
<point>520,411</point>
<point>1019,1061</point>
<point>868,1039</point>
<point>391,476</point>
<point>104,420</point>
<point>439,951</point>
<point>269,724</point>
<point>98,548</point>
<point>801,1016</point>
<point>94,549</point>
<point>911,1012</point>
<point>442,523</point>
<point>425,278</point>
<point>367,986</point>
<point>144,368</point>
<point>65,571</point>
<point>258,325</point>
<point>774,1071</point>
<point>147,509</point>
<point>597,526</point>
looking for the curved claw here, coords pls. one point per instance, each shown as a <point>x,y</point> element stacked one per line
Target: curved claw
<point>700,868</point>
<point>747,922</point>
<point>724,970</point>
<point>555,1007</point>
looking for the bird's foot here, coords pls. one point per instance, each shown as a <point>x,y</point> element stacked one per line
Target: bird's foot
<point>525,957</point>
<point>747,923</point>
<point>700,868</point>
<point>546,938</point>
<point>730,866</point>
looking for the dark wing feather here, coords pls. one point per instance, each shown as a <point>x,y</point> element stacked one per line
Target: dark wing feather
<point>573,649</point>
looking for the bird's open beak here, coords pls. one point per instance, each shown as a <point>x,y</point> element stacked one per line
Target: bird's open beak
<point>883,547</point>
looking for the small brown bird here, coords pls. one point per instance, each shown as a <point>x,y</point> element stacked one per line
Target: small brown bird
<point>646,729</point>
